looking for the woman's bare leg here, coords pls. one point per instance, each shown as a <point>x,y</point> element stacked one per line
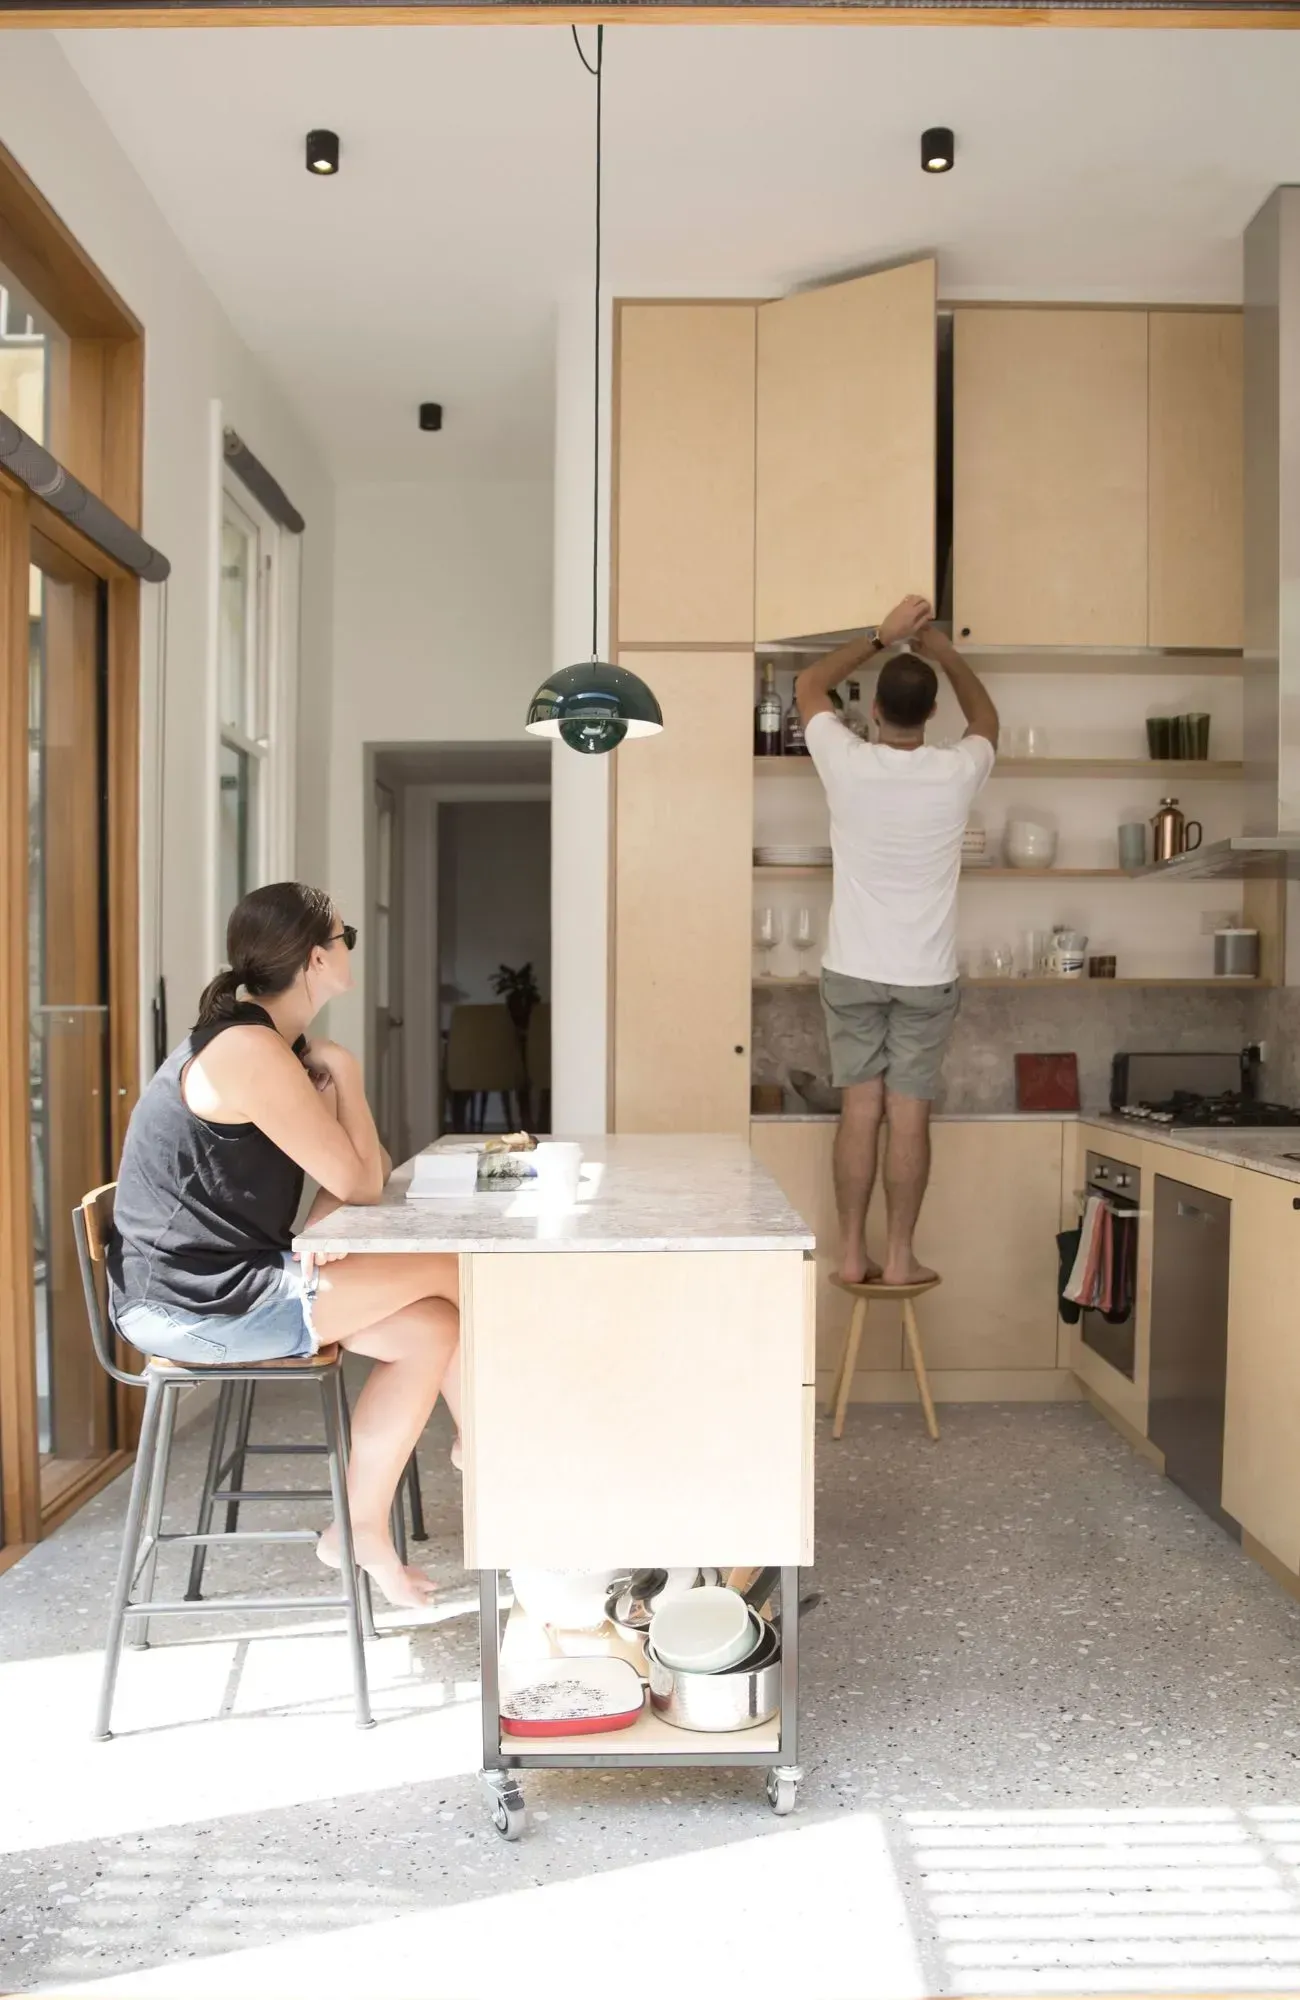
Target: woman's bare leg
<point>399,1311</point>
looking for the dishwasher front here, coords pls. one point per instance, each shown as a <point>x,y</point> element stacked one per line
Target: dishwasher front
<point>1189,1339</point>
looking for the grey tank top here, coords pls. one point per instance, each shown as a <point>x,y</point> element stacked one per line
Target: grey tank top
<point>204,1213</point>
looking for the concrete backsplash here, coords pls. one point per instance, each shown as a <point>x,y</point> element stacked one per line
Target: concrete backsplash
<point>1092,1019</point>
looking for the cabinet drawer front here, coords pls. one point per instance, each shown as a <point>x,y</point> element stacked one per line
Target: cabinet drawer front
<point>635,1409</point>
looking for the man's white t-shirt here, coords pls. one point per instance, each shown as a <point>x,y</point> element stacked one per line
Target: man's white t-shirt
<point>897,819</point>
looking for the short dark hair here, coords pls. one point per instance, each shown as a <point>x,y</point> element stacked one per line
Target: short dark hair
<point>906,691</point>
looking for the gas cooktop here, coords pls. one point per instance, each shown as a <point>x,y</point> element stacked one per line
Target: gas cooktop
<point>1229,1109</point>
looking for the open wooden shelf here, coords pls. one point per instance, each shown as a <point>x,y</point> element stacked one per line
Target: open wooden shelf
<point>1184,770</point>
<point>998,874</point>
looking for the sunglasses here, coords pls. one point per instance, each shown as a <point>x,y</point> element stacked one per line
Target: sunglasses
<point>348,934</point>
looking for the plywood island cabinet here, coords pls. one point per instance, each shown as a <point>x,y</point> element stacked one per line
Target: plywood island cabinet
<point>1261,1441</point>
<point>988,1227</point>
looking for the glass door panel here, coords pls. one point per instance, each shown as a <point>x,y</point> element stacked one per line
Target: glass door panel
<point>67,976</point>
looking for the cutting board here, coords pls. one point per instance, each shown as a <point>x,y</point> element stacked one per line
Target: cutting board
<point>1047,1083</point>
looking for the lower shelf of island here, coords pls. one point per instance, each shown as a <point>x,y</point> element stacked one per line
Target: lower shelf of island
<point>649,1736</point>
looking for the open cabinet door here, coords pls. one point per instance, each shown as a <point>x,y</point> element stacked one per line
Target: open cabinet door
<point>846,452</point>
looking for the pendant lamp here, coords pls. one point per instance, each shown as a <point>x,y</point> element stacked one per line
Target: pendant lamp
<point>593,705</point>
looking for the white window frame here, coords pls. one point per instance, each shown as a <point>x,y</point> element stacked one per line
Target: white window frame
<point>270,695</point>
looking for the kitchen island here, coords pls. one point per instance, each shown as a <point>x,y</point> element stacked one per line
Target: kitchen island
<point>638,1392</point>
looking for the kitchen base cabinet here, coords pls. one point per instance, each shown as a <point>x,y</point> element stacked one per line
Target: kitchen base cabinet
<point>990,1331</point>
<point>1261,1445</point>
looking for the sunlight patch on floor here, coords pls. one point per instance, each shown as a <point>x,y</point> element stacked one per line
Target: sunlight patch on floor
<point>1190,1899</point>
<point>779,1912</point>
<point>207,1728</point>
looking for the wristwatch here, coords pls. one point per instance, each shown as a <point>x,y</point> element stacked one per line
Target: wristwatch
<point>872,632</point>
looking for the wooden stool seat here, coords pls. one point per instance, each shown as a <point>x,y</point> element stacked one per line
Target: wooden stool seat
<point>873,1292</point>
<point>324,1357</point>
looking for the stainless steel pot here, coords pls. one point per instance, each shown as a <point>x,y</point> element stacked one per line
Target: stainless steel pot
<point>740,1699</point>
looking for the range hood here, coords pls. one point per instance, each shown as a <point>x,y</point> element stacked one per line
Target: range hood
<point>1270,844</point>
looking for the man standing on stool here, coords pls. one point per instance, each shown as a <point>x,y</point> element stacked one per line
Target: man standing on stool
<point>889,978</point>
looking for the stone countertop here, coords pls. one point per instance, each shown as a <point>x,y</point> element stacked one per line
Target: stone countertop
<point>940,1117</point>
<point>637,1193</point>
<point>1261,1149</point>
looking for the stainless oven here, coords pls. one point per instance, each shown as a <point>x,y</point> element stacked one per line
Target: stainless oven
<point>1113,1334</point>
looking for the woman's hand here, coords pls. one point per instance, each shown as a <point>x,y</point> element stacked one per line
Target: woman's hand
<point>330,1057</point>
<point>312,1260</point>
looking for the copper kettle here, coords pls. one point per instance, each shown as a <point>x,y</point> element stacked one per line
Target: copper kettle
<point>1173,833</point>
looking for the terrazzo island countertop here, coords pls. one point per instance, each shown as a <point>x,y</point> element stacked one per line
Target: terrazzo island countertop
<point>677,1193</point>
<point>1261,1150</point>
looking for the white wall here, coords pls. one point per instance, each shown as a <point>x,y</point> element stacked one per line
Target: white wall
<point>442,619</point>
<point>192,357</point>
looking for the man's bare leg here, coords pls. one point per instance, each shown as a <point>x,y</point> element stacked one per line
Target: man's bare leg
<point>907,1174</point>
<point>856,1144</point>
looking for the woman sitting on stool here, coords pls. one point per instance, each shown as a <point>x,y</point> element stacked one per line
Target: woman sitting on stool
<point>210,1184</point>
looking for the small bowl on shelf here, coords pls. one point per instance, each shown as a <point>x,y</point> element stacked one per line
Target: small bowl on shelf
<point>1029,843</point>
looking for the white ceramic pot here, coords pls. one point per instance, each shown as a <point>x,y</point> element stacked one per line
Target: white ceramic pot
<point>571,1599</point>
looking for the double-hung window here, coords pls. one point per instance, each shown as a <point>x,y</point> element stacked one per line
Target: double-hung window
<point>256,675</point>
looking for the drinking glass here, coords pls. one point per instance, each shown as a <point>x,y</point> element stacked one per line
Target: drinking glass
<point>805,937</point>
<point>999,961</point>
<point>1033,741</point>
<point>767,935</point>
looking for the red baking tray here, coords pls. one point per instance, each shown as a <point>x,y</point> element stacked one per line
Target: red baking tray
<point>617,1679</point>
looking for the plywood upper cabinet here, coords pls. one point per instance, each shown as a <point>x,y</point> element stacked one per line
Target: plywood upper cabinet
<point>1050,477</point>
<point>1196,473</point>
<point>846,452</point>
<point>684,520</point>
<point>682,898</point>
<point>1261,1438</point>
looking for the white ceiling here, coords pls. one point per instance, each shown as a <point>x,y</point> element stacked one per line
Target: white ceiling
<point>742,159</point>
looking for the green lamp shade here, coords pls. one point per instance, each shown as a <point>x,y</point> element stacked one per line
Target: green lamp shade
<point>592,707</point>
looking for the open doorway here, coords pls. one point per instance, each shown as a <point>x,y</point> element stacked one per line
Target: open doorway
<point>458,940</point>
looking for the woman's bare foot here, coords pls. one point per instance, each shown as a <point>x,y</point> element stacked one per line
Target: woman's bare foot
<point>457,1453</point>
<point>906,1272</point>
<point>404,1587</point>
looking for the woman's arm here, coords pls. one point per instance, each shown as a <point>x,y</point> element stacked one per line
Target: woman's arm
<point>253,1074</point>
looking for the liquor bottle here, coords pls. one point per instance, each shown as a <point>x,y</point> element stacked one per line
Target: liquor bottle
<point>792,743</point>
<point>855,714</point>
<point>767,716</point>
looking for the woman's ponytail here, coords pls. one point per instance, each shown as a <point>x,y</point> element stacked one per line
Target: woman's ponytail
<point>219,1000</point>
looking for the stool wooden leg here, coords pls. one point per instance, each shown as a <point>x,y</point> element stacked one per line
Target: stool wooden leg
<point>216,1457</point>
<point>913,1333</point>
<point>140,1480</point>
<point>138,1636</point>
<point>419,1533</point>
<point>848,1365</point>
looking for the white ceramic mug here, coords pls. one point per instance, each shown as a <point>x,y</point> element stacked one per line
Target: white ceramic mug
<point>557,1164</point>
<point>1066,957</point>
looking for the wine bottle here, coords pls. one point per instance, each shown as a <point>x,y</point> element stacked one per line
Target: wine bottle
<point>767,716</point>
<point>855,714</point>
<point>792,742</point>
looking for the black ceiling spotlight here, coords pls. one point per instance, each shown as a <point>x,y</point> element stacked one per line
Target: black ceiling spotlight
<point>431,416</point>
<point>937,150</point>
<point>322,152</point>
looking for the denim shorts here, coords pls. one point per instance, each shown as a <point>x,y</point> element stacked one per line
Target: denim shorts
<point>278,1328</point>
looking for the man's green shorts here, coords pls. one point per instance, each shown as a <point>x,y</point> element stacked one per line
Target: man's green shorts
<point>898,1032</point>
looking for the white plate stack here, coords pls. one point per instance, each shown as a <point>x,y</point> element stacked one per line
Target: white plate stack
<point>792,857</point>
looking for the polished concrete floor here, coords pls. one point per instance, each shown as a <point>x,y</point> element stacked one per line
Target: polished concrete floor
<point>1051,1738</point>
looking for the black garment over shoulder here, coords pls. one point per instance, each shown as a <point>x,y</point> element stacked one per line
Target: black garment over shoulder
<point>204,1213</point>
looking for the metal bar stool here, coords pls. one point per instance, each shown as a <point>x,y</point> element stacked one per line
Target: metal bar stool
<point>224,1480</point>
<point>142,1535</point>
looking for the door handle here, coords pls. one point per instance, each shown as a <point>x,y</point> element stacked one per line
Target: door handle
<point>1191,1213</point>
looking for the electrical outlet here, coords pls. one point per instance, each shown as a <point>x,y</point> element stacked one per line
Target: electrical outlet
<point>1217,920</point>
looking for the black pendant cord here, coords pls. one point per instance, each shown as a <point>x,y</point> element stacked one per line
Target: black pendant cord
<point>599,73</point>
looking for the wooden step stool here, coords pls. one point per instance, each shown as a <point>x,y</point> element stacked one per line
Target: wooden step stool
<point>864,1297</point>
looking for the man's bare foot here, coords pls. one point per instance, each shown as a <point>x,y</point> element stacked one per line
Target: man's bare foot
<point>906,1271</point>
<point>404,1587</point>
<point>859,1269</point>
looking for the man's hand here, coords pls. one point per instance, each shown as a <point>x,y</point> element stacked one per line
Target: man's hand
<point>906,621</point>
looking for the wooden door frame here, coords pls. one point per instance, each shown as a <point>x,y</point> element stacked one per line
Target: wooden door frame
<point>102,444</point>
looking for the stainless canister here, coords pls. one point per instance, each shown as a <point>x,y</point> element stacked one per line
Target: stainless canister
<point>1236,954</point>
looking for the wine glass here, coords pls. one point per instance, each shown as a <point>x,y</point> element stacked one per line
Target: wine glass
<point>767,935</point>
<point>805,937</point>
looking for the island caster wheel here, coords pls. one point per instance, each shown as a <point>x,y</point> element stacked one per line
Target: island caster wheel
<point>509,1813</point>
<point>783,1788</point>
